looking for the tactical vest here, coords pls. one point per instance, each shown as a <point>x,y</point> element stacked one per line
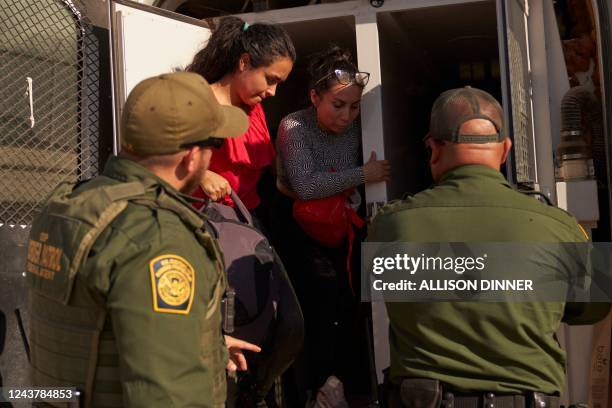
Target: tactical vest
<point>71,338</point>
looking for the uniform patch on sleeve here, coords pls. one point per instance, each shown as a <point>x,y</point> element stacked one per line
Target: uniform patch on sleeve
<point>173,284</point>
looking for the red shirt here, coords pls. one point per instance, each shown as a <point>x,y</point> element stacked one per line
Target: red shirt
<point>241,159</point>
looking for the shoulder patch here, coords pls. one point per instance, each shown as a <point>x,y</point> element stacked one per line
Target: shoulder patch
<point>173,284</point>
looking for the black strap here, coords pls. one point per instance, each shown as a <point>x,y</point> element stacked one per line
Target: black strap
<point>478,139</point>
<point>490,400</point>
<point>505,401</point>
<point>541,196</point>
<point>492,138</point>
<point>22,331</point>
<point>422,392</point>
<point>3,331</point>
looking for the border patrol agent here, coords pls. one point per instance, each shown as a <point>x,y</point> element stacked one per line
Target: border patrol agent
<point>125,282</point>
<point>468,354</point>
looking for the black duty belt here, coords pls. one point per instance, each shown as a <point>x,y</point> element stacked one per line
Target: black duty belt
<point>490,400</point>
<point>427,393</point>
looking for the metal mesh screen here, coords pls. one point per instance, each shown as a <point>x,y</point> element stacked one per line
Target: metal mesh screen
<point>520,88</point>
<point>520,114</point>
<point>49,102</point>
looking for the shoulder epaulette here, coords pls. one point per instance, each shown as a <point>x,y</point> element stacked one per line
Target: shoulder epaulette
<point>395,204</point>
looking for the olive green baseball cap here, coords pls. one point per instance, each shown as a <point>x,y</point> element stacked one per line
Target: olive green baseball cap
<point>165,113</point>
<point>456,106</point>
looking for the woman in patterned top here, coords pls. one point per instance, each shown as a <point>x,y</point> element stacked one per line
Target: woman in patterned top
<point>319,146</point>
<point>319,156</point>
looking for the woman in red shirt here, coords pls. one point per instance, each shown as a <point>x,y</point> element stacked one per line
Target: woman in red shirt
<point>244,64</point>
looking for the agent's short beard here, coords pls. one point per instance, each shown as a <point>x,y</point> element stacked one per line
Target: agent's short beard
<point>194,181</point>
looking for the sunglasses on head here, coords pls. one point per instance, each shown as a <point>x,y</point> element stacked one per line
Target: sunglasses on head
<point>345,77</point>
<point>214,142</point>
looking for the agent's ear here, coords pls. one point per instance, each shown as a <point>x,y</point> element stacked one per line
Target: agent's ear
<point>436,151</point>
<point>190,159</point>
<point>244,63</point>
<point>507,146</point>
<point>315,98</point>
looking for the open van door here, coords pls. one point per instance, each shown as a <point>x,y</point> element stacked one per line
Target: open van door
<point>148,41</point>
<point>515,73</point>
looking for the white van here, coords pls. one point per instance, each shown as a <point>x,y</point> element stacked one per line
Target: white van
<point>66,67</point>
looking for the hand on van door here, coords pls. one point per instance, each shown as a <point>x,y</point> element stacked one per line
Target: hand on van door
<point>215,186</point>
<point>235,347</point>
<point>375,171</point>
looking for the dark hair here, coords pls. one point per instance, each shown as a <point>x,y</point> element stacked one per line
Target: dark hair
<point>232,38</point>
<point>323,64</point>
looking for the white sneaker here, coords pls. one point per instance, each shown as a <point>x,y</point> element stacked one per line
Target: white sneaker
<point>331,395</point>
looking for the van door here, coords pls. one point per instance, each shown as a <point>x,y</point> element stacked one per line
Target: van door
<point>516,89</point>
<point>148,41</point>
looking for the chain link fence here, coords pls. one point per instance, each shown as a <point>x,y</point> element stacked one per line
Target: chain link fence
<point>49,102</point>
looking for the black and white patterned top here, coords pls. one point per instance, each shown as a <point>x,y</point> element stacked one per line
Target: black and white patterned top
<point>313,163</point>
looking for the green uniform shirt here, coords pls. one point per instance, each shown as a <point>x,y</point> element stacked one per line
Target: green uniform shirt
<point>162,344</point>
<point>502,347</point>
